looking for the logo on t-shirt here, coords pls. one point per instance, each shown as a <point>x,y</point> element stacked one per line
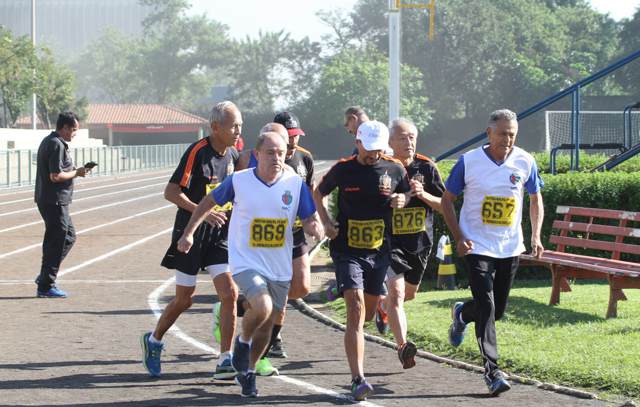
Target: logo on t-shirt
<point>515,178</point>
<point>287,198</point>
<point>230,168</point>
<point>384,184</point>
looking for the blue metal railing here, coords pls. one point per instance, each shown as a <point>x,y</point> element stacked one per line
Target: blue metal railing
<point>574,90</point>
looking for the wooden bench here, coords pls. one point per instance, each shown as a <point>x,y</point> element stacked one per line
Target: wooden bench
<point>592,229</point>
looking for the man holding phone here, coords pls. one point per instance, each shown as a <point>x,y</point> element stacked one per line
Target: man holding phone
<point>54,188</point>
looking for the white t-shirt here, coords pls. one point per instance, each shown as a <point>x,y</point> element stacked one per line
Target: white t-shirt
<point>260,230</point>
<point>491,214</point>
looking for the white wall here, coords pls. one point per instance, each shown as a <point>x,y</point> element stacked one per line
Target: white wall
<point>27,139</point>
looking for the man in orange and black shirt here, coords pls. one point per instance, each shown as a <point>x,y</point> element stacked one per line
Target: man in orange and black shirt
<point>370,185</point>
<point>412,235</point>
<point>202,168</point>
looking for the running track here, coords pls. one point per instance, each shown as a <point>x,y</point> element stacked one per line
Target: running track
<point>84,350</point>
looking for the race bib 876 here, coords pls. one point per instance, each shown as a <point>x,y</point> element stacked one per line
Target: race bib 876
<point>365,234</point>
<point>498,210</point>
<point>406,221</point>
<point>268,232</point>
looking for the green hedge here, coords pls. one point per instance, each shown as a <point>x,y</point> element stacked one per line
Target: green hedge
<point>587,162</point>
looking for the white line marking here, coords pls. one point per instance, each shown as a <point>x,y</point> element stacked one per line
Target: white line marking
<point>92,188</point>
<point>113,252</point>
<point>70,282</point>
<point>154,305</point>
<point>321,390</point>
<point>175,330</point>
<point>94,179</point>
<point>122,191</point>
<point>24,249</point>
<point>95,208</point>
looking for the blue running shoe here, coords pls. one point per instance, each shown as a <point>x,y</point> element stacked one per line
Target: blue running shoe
<point>151,354</point>
<point>457,328</point>
<point>224,371</point>
<point>360,389</point>
<point>53,292</point>
<point>248,383</point>
<point>240,359</point>
<point>498,384</point>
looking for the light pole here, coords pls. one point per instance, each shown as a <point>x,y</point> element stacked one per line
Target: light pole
<point>34,124</point>
<point>394,60</point>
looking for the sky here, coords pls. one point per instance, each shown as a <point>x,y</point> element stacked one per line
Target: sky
<point>298,17</point>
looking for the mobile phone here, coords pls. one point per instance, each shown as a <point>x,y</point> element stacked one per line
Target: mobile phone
<point>90,165</point>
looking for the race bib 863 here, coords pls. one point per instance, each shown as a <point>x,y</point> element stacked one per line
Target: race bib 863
<point>365,234</point>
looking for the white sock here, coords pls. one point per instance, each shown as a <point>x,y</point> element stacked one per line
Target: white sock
<point>153,339</point>
<point>223,356</point>
<point>242,341</point>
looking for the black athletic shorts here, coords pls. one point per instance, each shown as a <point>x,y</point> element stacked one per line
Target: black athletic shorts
<point>300,246</point>
<point>412,265</point>
<point>209,248</point>
<point>363,272</point>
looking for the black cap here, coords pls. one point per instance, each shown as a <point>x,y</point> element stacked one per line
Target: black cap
<point>290,122</point>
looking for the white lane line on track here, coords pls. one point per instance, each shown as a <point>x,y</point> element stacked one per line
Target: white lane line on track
<point>113,252</point>
<point>154,305</point>
<point>95,208</point>
<point>180,334</point>
<point>122,191</point>
<point>23,189</point>
<point>71,282</point>
<point>92,188</point>
<point>126,218</point>
<point>317,389</point>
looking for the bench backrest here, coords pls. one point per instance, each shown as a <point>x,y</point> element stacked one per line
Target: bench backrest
<point>616,233</point>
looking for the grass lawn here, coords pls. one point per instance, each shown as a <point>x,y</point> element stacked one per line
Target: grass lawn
<point>570,344</point>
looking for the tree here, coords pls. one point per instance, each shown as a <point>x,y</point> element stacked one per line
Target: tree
<point>55,90</point>
<point>491,53</point>
<point>629,77</point>
<point>273,69</point>
<point>165,66</point>
<point>17,61</point>
<point>360,77</point>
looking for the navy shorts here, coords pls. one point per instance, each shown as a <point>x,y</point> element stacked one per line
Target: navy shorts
<point>412,265</point>
<point>300,246</point>
<point>365,272</point>
<point>209,248</point>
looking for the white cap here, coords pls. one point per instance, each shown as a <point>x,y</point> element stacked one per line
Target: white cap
<point>373,135</point>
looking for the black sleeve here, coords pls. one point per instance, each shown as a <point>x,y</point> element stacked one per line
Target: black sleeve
<point>433,181</point>
<point>179,172</point>
<point>330,181</point>
<point>55,157</point>
<point>308,161</point>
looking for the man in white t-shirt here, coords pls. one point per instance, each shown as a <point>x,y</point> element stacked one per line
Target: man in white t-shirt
<point>266,201</point>
<point>493,178</point>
